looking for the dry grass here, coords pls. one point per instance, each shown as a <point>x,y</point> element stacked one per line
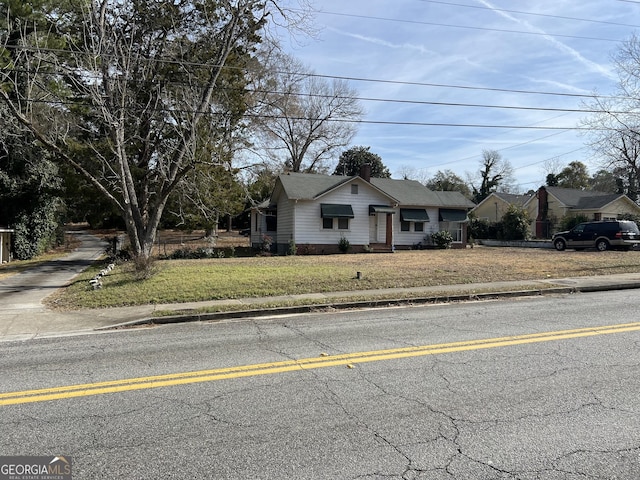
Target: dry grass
<point>199,280</point>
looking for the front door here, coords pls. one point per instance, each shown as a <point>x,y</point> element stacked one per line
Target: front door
<point>381,228</point>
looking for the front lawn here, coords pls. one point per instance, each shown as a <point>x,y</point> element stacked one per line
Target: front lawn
<point>179,281</point>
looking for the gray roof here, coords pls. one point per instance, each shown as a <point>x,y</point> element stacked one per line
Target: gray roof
<point>512,198</point>
<point>583,199</point>
<point>454,199</point>
<point>406,192</point>
<point>308,186</point>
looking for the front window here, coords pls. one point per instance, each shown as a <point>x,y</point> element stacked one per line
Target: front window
<point>327,223</point>
<point>405,226</point>
<point>418,227</point>
<point>343,224</point>
<point>272,223</point>
<point>454,228</point>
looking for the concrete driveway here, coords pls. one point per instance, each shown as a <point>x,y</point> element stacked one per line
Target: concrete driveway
<point>25,291</point>
<point>21,295</point>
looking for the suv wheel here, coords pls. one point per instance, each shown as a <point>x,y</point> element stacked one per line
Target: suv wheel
<point>602,245</point>
<point>560,244</point>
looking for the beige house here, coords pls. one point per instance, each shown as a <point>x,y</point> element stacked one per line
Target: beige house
<point>5,244</point>
<point>554,203</point>
<point>551,204</point>
<point>496,205</point>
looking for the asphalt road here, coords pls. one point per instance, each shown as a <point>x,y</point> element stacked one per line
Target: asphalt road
<point>518,389</point>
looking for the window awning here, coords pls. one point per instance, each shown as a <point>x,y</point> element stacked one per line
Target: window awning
<point>413,215</point>
<point>451,215</point>
<point>380,209</point>
<point>332,210</point>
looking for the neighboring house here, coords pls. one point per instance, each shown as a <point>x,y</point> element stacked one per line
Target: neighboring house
<point>551,204</point>
<point>5,244</point>
<point>496,205</point>
<point>313,212</point>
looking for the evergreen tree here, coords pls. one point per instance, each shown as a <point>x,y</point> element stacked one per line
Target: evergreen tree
<point>353,159</point>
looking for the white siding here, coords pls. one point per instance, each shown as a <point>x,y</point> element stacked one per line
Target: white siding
<point>258,227</point>
<point>285,220</point>
<point>308,222</point>
<point>412,237</point>
<point>286,211</point>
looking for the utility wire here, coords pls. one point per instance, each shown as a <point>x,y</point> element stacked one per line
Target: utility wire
<point>546,15</point>
<point>349,120</point>
<point>468,27</point>
<point>377,80</point>
<point>330,77</point>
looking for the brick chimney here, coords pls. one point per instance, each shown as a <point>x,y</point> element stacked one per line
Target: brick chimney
<point>365,172</point>
<point>543,212</point>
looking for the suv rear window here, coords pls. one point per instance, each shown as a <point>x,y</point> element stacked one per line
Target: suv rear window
<point>629,227</point>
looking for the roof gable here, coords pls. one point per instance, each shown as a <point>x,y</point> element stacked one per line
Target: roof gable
<point>307,186</point>
<point>506,198</point>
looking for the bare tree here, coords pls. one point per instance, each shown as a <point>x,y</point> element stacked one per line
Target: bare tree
<point>495,174</point>
<point>303,118</point>
<point>448,181</point>
<point>614,131</point>
<point>132,92</point>
<point>409,172</point>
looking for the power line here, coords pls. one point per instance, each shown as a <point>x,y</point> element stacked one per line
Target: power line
<point>546,15</point>
<point>449,104</point>
<point>349,120</point>
<point>468,27</point>
<point>345,78</point>
<point>462,87</point>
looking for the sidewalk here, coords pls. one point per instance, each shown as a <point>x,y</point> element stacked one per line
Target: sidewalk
<point>31,321</point>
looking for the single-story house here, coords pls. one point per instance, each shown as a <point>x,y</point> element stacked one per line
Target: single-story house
<point>314,212</point>
<point>5,244</point>
<point>496,205</point>
<point>550,204</point>
<point>553,203</point>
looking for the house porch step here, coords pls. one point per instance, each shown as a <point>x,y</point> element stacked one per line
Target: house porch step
<point>380,248</point>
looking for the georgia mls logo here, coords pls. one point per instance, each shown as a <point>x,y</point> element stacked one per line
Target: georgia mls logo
<point>35,468</point>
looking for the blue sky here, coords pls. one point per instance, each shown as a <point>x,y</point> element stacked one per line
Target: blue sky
<point>407,47</point>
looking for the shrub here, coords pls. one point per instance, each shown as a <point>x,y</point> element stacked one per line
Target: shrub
<point>292,248</point>
<point>267,242</point>
<point>479,228</point>
<point>630,216</point>
<point>515,223</point>
<point>442,239</point>
<point>344,245</point>
<point>569,221</point>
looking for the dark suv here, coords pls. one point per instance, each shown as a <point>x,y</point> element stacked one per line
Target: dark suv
<point>602,236</point>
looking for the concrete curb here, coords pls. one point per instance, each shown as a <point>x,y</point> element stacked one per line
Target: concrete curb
<point>373,303</point>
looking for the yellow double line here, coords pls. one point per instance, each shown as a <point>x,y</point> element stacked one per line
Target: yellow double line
<point>349,359</point>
